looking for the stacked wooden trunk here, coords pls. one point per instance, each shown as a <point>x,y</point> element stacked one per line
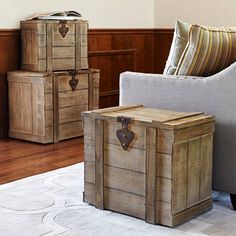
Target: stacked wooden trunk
<point>55,85</point>
<point>152,164</point>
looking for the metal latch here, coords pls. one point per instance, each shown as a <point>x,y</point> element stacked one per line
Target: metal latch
<point>73,82</point>
<point>124,135</point>
<point>63,29</point>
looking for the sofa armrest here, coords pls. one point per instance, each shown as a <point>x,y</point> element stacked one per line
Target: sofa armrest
<point>214,95</point>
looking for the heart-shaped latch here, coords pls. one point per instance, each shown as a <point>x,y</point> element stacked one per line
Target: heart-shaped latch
<point>63,29</point>
<point>73,82</point>
<point>124,135</point>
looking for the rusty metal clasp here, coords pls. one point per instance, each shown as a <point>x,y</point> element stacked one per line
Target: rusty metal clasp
<point>63,29</point>
<point>124,135</point>
<point>73,82</point>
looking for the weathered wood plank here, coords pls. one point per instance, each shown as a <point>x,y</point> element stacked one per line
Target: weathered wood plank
<point>48,61</point>
<point>151,172</point>
<point>73,98</point>
<point>164,162</point>
<point>180,154</point>
<point>99,164</point>
<point>193,180</point>
<point>70,130</point>
<point>206,166</point>
<point>165,141</point>
<point>70,114</point>
<point>124,202</point>
<point>124,180</point>
<point>193,131</point>
<point>89,128</point>
<point>133,159</point>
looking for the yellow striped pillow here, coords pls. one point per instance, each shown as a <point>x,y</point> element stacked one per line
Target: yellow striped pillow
<point>208,51</point>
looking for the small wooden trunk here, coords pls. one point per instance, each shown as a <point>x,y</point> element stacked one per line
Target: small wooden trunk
<point>51,45</point>
<point>46,107</point>
<point>163,175</point>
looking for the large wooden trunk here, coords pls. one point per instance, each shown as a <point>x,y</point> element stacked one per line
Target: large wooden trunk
<point>162,176</point>
<point>46,107</point>
<point>51,45</point>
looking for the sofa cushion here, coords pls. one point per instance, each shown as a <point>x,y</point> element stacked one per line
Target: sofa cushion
<point>178,45</point>
<point>208,51</point>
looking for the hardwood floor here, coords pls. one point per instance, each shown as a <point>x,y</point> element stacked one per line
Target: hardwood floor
<point>19,159</point>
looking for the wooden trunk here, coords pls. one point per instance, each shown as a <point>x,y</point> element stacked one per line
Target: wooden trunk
<point>164,176</point>
<point>51,45</point>
<point>43,107</point>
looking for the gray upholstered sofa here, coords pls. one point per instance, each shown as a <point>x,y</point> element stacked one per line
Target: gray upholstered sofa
<point>213,95</point>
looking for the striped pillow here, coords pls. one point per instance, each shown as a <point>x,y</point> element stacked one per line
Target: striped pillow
<point>209,50</point>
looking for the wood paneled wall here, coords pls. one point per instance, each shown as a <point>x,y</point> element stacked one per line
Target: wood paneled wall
<point>117,50</point>
<point>111,50</point>
<point>9,60</point>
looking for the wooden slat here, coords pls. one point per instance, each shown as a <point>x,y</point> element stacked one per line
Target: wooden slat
<point>70,114</point>
<point>89,150</point>
<point>73,98</point>
<point>193,131</point>
<point>115,200</point>
<point>89,168</point>
<point>63,52</point>
<point>70,130</point>
<point>99,164</point>
<point>206,166</point>
<point>164,162</point>
<point>115,156</point>
<point>124,180</point>
<point>77,47</point>
<point>90,95</point>
<point>193,180</point>
<point>163,190</point>
<point>124,202</point>
<point>89,193</point>
<point>58,41</point>
<point>38,113</point>
<point>55,109</point>
<point>190,121</point>
<point>179,191</point>
<point>192,212</point>
<point>48,118</point>
<point>164,214</point>
<point>89,128</point>
<point>48,62</point>
<point>48,138</point>
<point>63,64</point>
<point>165,140</point>
<point>114,109</point>
<point>151,172</point>
<point>20,113</point>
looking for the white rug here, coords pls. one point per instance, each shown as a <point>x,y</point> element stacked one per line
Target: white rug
<point>51,204</point>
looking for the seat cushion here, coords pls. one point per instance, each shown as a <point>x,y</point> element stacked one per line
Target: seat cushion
<point>208,51</point>
<point>178,45</point>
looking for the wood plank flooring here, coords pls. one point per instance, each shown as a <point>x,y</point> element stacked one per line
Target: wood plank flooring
<point>19,159</point>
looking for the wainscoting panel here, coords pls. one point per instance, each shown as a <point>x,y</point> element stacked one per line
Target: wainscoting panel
<point>113,51</point>
<point>9,60</point>
<point>111,63</point>
<point>163,39</point>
